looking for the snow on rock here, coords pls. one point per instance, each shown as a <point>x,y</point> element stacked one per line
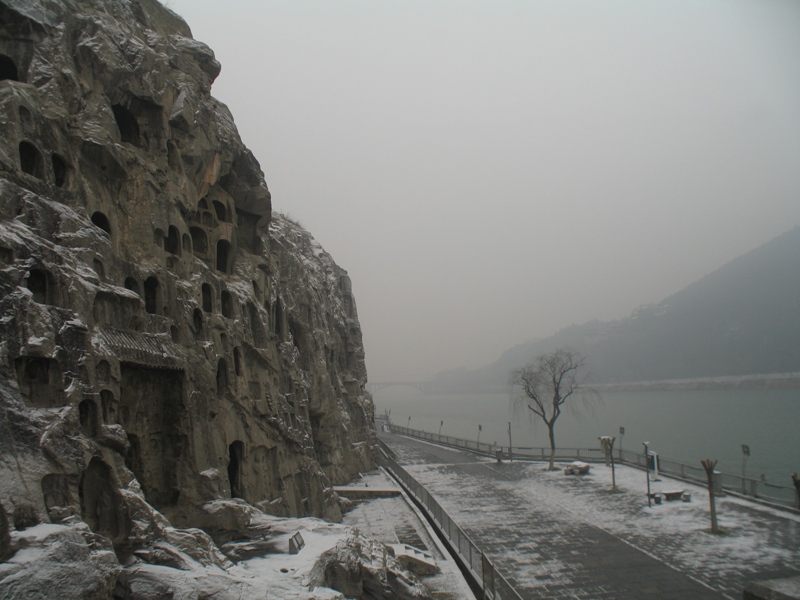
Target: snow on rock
<point>59,561</point>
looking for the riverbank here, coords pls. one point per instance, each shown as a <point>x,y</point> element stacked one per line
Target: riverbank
<point>558,536</point>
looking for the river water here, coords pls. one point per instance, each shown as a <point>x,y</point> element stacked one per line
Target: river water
<point>684,426</point>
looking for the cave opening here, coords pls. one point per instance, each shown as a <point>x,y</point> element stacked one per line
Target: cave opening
<point>132,285</point>
<point>101,506</point>
<point>8,69</point>
<point>197,321</point>
<point>30,160</point>
<point>87,415</point>
<point>235,460</point>
<point>208,304</point>
<point>39,285</point>
<point>59,170</point>
<point>127,124</point>
<point>199,240</point>
<point>151,293</point>
<point>222,377</point>
<point>151,402</point>
<point>223,256</point>
<point>237,362</point>
<point>222,212</point>
<point>101,220</point>
<point>227,304</point>
<point>40,381</point>
<point>172,244</point>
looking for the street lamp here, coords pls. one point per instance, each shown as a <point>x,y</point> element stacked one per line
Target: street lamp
<point>745,456</point>
<point>408,426</point>
<point>621,435</point>
<point>647,470</point>
<point>440,427</point>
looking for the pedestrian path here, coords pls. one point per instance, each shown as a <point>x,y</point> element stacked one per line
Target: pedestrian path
<point>558,537</point>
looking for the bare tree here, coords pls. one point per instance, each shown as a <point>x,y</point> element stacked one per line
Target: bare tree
<point>546,384</point>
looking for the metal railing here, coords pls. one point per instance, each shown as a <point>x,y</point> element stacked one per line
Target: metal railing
<point>483,572</point>
<point>781,495</point>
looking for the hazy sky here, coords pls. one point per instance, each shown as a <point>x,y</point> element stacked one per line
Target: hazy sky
<point>490,172</point>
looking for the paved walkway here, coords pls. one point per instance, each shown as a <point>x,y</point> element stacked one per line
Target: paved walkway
<point>560,537</point>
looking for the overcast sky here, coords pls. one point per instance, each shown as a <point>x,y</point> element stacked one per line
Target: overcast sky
<point>490,172</point>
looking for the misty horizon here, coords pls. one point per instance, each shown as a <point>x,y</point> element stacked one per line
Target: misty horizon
<point>493,173</point>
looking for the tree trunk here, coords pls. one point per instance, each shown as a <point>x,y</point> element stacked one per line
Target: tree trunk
<point>551,429</point>
<point>709,465</point>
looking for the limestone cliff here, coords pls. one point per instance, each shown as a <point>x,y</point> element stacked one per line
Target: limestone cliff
<point>165,341</point>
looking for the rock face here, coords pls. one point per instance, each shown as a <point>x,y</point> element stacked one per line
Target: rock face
<point>165,341</point>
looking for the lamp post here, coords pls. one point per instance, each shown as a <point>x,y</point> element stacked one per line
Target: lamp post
<point>480,428</point>
<point>647,470</point>
<point>408,425</point>
<point>621,435</point>
<point>510,453</point>
<point>440,428</point>
<point>745,456</point>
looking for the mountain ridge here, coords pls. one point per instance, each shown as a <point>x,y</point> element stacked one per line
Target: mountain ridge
<point>739,320</point>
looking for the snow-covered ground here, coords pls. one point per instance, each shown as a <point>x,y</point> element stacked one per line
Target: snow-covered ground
<point>535,522</point>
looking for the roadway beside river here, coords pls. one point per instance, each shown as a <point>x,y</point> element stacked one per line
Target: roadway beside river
<point>557,536</point>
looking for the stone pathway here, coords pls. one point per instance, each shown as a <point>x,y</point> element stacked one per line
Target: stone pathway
<point>560,537</point>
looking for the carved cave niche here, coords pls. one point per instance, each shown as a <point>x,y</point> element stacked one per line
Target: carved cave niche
<point>207,219</point>
<point>172,243</point>
<point>41,381</point>
<point>207,297</point>
<point>132,285</point>
<point>236,468</point>
<point>199,241</point>
<point>58,491</point>
<point>300,341</point>
<point>222,377</point>
<point>226,304</point>
<point>60,170</point>
<point>150,407</point>
<point>197,322</point>
<point>108,406</point>
<point>103,371</point>
<point>6,255</point>
<point>87,415</point>
<point>30,160</point>
<point>152,295</point>
<point>224,256</point>
<point>41,285</point>
<point>100,220</point>
<point>221,211</point>
<point>187,243</point>
<point>102,506</point>
<point>8,69</point>
<point>99,268</point>
<point>127,124</point>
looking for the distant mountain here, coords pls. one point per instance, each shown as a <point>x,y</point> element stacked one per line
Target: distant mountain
<point>742,319</point>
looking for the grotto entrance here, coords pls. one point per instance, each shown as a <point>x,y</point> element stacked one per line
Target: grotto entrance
<point>101,506</point>
<point>236,454</point>
<point>150,408</point>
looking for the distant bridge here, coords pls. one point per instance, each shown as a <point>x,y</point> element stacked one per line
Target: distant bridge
<point>426,387</point>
